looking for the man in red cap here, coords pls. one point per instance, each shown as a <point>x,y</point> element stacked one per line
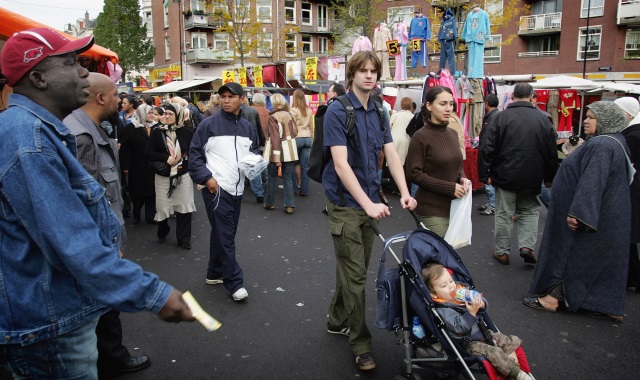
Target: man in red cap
<point>58,236</point>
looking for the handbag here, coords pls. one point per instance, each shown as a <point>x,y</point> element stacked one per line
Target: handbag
<point>160,168</point>
<point>289,146</point>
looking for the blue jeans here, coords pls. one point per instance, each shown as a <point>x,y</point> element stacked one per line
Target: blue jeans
<point>490,192</point>
<point>304,148</point>
<point>69,356</point>
<point>256,186</point>
<point>288,173</point>
<point>447,55</point>
<point>545,196</point>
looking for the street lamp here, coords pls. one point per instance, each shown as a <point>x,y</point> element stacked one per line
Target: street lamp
<point>586,42</point>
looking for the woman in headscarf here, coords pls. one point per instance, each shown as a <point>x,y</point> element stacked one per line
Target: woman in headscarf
<point>140,175</point>
<point>583,256</point>
<point>169,143</point>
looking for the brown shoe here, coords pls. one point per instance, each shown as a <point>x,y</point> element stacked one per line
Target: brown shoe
<point>528,255</point>
<point>502,259</point>
<point>288,210</point>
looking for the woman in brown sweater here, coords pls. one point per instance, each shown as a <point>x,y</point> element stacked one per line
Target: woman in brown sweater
<point>434,162</point>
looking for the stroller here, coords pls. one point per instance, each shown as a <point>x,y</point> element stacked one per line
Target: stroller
<point>397,302</point>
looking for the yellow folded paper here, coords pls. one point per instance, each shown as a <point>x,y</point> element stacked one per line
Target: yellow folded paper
<point>209,323</point>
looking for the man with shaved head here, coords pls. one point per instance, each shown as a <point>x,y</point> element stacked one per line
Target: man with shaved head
<point>59,239</point>
<point>98,154</point>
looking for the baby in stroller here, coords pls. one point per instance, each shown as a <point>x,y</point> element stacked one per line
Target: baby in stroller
<point>463,326</point>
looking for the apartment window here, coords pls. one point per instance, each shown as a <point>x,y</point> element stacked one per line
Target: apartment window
<point>306,14</point>
<point>493,55</point>
<point>307,44</point>
<point>263,8</point>
<point>494,7</point>
<point>149,22</point>
<point>632,44</point>
<point>167,52</point>
<point>265,45</point>
<point>592,38</point>
<point>198,40</point>
<point>546,6</point>
<point>400,14</point>
<point>597,8</point>
<point>290,11</point>
<point>243,10</point>
<point>544,43</point>
<point>323,45</point>
<point>197,5</point>
<point>290,44</point>
<point>220,41</point>
<point>165,14</point>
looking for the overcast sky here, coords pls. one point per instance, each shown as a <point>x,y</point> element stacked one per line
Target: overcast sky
<point>54,13</point>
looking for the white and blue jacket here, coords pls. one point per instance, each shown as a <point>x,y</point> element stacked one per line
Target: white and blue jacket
<point>220,142</point>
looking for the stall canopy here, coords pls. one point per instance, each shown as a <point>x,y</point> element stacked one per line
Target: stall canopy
<point>176,86</point>
<point>564,81</point>
<point>11,23</point>
<point>620,87</point>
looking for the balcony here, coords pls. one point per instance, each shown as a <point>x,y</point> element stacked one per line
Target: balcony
<point>202,21</point>
<point>537,54</point>
<point>628,12</point>
<point>540,24</point>
<point>319,25</point>
<point>209,56</point>
<point>448,3</point>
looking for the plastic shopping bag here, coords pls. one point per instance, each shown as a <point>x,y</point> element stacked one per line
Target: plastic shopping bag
<point>459,232</point>
<point>252,165</point>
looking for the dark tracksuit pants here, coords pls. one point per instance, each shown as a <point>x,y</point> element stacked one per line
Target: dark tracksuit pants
<point>111,352</point>
<point>224,213</point>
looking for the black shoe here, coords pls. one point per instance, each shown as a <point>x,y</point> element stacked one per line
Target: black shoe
<point>126,214</point>
<point>259,199</point>
<point>186,245</point>
<point>134,364</point>
<point>136,219</point>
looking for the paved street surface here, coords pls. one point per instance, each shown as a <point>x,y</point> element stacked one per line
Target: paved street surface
<point>289,271</point>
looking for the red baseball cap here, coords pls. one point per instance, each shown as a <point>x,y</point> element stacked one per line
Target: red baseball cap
<point>26,49</point>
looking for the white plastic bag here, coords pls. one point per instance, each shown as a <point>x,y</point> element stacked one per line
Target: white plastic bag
<point>459,232</point>
<point>252,165</point>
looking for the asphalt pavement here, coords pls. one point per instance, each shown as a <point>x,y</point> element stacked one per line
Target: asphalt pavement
<point>279,332</point>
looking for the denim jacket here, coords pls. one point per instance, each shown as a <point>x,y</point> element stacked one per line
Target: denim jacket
<point>59,263</point>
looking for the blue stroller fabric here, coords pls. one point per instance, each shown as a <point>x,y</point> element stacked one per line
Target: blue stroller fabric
<point>424,247</point>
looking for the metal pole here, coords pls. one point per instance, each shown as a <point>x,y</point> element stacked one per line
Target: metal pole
<point>586,40</point>
<point>181,31</point>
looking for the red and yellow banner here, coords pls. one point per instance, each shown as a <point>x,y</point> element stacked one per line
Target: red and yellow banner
<point>257,76</point>
<point>228,76</point>
<point>311,69</point>
<point>242,76</point>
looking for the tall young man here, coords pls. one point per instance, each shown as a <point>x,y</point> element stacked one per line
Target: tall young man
<point>220,142</point>
<point>351,185</point>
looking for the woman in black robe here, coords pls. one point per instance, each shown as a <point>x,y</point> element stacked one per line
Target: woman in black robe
<point>584,252</point>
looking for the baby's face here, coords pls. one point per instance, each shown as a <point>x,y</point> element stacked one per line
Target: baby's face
<point>443,287</point>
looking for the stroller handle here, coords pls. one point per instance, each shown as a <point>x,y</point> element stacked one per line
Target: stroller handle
<point>376,230</point>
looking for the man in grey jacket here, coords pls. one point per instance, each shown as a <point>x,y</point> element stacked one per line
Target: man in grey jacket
<point>252,116</point>
<point>98,155</point>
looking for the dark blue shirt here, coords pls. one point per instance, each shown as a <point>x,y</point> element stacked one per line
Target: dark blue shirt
<point>372,135</point>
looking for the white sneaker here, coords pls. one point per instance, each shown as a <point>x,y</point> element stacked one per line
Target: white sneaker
<point>240,294</point>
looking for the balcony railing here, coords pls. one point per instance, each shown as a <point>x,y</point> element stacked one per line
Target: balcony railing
<point>203,21</point>
<point>319,25</point>
<point>628,12</point>
<point>535,54</point>
<point>540,24</point>
<point>209,55</point>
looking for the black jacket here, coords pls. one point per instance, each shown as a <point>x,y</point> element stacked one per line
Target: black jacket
<point>518,150</point>
<point>157,147</point>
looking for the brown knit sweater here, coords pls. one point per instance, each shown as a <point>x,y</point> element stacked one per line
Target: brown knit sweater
<point>434,162</point>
